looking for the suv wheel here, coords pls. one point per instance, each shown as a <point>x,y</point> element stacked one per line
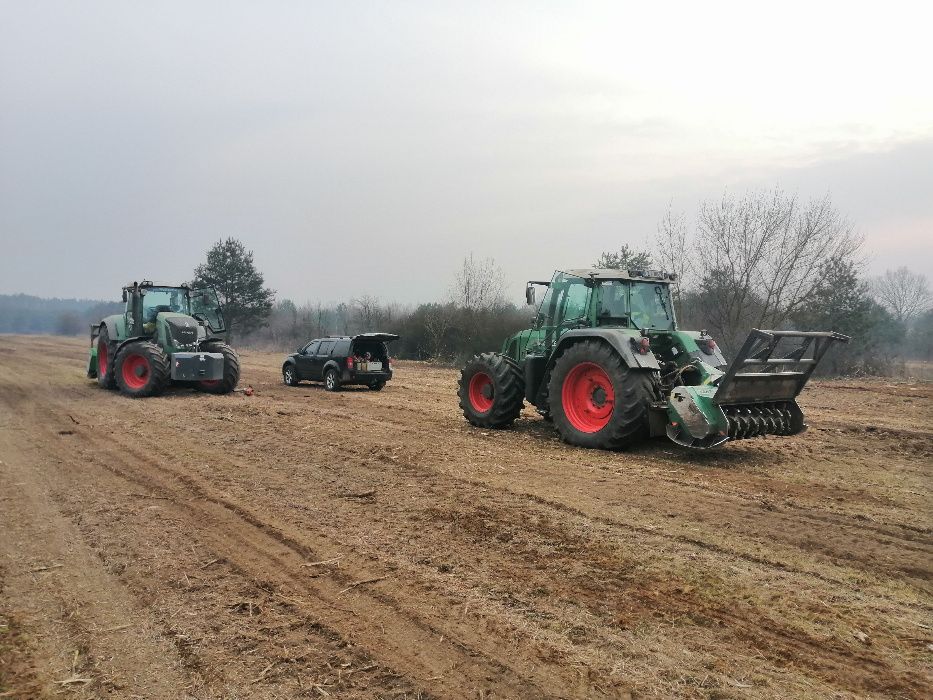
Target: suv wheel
<point>290,375</point>
<point>331,380</point>
<point>377,386</point>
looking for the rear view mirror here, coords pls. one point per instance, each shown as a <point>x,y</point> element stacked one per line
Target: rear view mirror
<point>530,295</point>
<point>124,296</point>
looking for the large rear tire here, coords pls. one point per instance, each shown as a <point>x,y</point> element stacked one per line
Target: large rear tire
<point>142,369</point>
<point>105,360</point>
<point>597,401</point>
<point>231,369</point>
<point>491,391</point>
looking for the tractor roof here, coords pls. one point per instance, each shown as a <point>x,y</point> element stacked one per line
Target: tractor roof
<point>612,274</point>
<point>149,283</point>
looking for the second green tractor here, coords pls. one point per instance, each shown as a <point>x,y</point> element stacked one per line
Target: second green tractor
<point>166,335</point>
<point>606,362</point>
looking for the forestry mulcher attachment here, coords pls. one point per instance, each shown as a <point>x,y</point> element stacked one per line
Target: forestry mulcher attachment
<point>605,361</point>
<point>166,335</point>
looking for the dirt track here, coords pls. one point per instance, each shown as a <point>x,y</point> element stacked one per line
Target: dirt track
<point>357,545</point>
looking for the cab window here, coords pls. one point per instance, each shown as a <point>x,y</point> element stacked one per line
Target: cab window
<point>311,348</point>
<point>651,306</point>
<point>159,299</point>
<point>613,303</point>
<point>577,296</point>
<point>205,306</point>
<point>566,299</point>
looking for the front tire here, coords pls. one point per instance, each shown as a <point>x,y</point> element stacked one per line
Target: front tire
<point>105,360</point>
<point>597,401</point>
<point>142,369</point>
<point>491,391</point>
<point>290,375</point>
<point>331,380</point>
<point>228,382</point>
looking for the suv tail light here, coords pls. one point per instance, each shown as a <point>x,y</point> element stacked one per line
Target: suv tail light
<point>350,362</point>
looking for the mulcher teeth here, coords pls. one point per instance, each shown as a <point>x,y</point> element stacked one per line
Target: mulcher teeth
<point>759,419</point>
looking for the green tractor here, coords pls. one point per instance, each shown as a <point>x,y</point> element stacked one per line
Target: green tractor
<point>606,362</point>
<point>166,335</point>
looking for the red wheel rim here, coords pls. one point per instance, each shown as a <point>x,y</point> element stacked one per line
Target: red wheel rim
<point>102,359</point>
<point>135,371</point>
<point>481,392</point>
<point>587,397</point>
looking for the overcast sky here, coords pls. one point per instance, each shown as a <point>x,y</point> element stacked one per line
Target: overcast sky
<point>365,148</point>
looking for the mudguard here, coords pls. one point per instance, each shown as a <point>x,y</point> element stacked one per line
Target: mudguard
<point>619,338</point>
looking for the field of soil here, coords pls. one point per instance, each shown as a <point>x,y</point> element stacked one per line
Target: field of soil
<point>297,543</point>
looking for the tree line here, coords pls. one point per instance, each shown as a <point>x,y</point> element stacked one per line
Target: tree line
<point>765,259</point>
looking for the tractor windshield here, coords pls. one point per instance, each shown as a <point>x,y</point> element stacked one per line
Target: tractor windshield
<point>159,299</point>
<point>651,306</point>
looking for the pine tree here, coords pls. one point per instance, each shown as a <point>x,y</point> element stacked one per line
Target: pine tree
<point>230,270</point>
<point>625,259</point>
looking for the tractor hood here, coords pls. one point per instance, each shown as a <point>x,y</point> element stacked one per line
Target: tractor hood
<point>179,331</point>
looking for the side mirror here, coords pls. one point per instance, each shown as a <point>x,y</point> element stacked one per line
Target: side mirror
<point>530,295</point>
<point>124,296</point>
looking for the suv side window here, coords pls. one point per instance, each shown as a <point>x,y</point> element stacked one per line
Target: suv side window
<point>341,349</point>
<point>310,348</point>
<point>326,346</point>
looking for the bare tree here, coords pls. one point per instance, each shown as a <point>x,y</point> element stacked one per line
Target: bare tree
<point>671,248</point>
<point>344,316</point>
<point>902,292</point>
<point>437,322</point>
<point>762,255</point>
<point>368,311</point>
<point>479,284</point>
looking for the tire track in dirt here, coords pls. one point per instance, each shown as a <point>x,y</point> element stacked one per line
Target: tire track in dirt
<point>515,534</point>
<point>273,559</point>
<point>765,634</point>
<point>850,542</point>
<point>701,506</point>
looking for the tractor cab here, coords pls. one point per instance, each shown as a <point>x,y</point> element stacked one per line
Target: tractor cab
<point>600,298</point>
<point>146,302</point>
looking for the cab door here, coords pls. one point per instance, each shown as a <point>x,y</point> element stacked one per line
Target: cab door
<point>566,305</point>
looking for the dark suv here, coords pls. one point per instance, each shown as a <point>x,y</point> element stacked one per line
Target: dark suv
<point>361,359</point>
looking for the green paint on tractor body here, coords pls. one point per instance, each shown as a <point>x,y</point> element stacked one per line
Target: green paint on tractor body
<point>603,337</point>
